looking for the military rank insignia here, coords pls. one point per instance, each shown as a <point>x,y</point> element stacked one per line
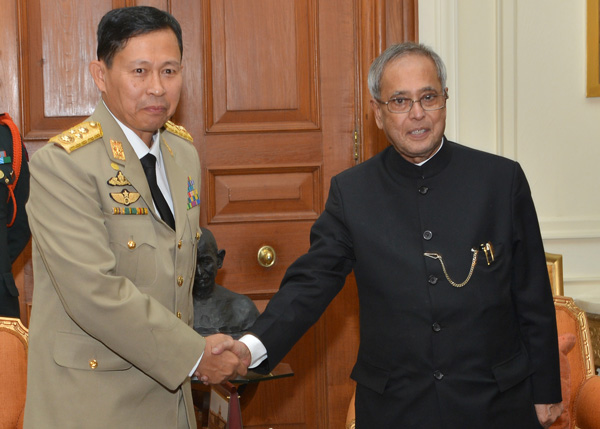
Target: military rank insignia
<point>117,149</point>
<point>193,197</point>
<point>178,130</point>
<point>118,180</point>
<point>125,197</point>
<point>4,159</point>
<point>78,136</point>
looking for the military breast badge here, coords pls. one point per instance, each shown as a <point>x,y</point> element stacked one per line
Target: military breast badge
<point>4,159</point>
<point>193,197</point>
<point>118,180</point>
<point>125,197</point>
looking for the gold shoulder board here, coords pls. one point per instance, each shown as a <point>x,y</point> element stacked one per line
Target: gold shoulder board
<point>78,136</point>
<point>178,130</point>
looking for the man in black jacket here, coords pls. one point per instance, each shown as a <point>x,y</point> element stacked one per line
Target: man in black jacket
<point>14,229</point>
<point>457,323</point>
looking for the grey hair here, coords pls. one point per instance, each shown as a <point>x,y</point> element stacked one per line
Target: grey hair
<point>397,51</point>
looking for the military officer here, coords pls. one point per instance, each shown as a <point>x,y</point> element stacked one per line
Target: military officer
<point>114,214</point>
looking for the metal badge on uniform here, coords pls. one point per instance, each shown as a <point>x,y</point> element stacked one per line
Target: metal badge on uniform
<point>118,180</point>
<point>117,149</point>
<point>3,158</point>
<point>193,197</point>
<point>125,197</point>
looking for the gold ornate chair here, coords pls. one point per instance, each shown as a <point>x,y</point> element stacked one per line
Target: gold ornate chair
<point>580,386</point>
<point>14,340</point>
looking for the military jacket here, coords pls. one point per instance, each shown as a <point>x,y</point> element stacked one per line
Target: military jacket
<point>111,342</point>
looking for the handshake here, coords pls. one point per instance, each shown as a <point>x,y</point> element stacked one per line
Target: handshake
<point>223,359</point>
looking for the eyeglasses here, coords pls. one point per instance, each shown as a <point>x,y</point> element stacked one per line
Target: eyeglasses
<point>428,102</point>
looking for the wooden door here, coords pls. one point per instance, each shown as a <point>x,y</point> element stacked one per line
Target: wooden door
<point>275,97</point>
<point>272,108</point>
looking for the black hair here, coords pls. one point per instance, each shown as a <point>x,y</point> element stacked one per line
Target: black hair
<point>119,25</point>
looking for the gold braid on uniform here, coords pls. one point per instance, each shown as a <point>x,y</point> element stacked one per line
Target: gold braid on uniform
<point>78,136</point>
<point>178,130</point>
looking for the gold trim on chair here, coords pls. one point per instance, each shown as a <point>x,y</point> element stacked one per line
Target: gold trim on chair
<point>554,264</point>
<point>15,327</point>
<point>584,331</point>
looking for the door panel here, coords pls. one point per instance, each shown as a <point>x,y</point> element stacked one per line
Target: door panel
<point>279,102</point>
<point>260,65</point>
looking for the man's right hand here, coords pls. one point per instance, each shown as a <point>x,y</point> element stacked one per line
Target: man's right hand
<point>214,368</point>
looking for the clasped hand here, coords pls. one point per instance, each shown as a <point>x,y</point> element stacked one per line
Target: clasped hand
<point>223,359</point>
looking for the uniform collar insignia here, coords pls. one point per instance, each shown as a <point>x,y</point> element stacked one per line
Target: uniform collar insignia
<point>117,150</point>
<point>125,197</point>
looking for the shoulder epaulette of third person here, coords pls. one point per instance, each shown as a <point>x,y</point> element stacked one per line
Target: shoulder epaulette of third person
<point>178,130</point>
<point>78,136</point>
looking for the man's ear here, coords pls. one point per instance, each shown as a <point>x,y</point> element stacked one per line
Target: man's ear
<point>220,257</point>
<point>376,107</point>
<point>98,72</point>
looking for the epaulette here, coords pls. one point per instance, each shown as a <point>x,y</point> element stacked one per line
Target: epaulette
<point>78,136</point>
<point>178,130</point>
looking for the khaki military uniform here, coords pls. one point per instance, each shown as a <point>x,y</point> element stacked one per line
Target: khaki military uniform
<point>110,339</point>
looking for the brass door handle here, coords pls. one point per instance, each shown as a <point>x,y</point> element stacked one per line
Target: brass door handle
<point>266,256</point>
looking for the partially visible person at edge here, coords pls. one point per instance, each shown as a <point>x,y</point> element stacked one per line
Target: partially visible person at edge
<point>111,337</point>
<point>14,229</point>
<point>457,322</point>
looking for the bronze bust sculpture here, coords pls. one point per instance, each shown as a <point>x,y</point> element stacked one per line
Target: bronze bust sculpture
<point>217,309</point>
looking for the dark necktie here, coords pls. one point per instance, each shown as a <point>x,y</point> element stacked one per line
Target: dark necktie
<point>149,164</point>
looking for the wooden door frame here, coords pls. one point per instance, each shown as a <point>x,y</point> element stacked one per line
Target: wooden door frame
<point>381,23</point>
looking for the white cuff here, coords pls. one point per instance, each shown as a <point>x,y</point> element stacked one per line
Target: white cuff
<point>196,366</point>
<point>257,349</point>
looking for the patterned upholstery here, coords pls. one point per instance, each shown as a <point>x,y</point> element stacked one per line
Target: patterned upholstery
<point>582,386</point>
<point>13,372</point>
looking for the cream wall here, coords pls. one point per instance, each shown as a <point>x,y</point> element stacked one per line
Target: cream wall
<point>517,88</point>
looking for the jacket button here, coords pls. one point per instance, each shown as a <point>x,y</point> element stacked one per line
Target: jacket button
<point>179,281</point>
<point>179,244</point>
<point>179,314</point>
<point>93,364</point>
<point>131,244</point>
<point>427,235</point>
<point>423,190</point>
<point>436,327</point>
<point>432,279</point>
<point>438,375</point>
<point>197,236</point>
